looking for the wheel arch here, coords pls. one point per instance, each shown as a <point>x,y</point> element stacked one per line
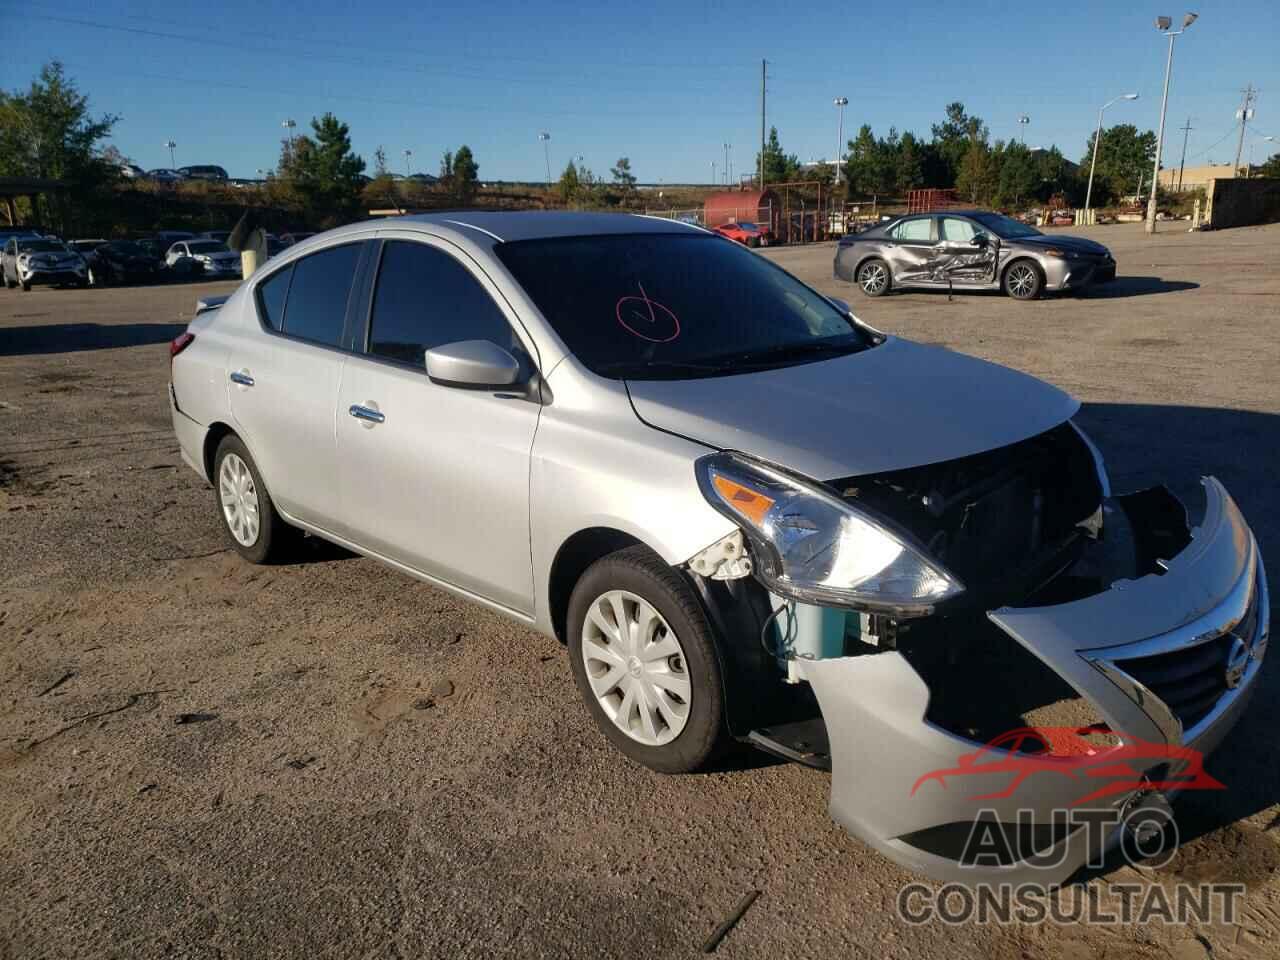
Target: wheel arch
<point>1023,258</point>
<point>212,438</point>
<point>571,561</point>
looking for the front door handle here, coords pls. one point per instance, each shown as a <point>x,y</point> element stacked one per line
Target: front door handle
<point>242,378</point>
<point>369,415</point>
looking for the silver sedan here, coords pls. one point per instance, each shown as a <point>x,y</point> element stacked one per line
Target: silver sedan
<point>970,250</point>
<point>748,515</point>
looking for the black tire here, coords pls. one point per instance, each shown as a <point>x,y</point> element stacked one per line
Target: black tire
<point>874,278</point>
<point>639,571</point>
<point>275,537</point>
<point>1023,280</point>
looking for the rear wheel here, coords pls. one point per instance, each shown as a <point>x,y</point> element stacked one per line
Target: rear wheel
<point>249,518</point>
<point>874,278</point>
<point>1022,280</point>
<point>645,662</point>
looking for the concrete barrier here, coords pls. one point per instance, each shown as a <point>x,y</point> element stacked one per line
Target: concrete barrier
<point>1240,203</point>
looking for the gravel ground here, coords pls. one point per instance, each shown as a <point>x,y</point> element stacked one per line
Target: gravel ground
<point>375,768</point>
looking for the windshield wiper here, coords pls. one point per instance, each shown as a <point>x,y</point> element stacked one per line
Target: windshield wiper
<point>694,366</point>
<point>794,351</point>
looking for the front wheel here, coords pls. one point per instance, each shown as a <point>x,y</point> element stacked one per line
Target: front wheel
<point>874,278</point>
<point>645,662</point>
<point>1023,281</point>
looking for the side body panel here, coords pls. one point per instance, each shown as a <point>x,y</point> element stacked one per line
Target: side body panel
<point>596,465</point>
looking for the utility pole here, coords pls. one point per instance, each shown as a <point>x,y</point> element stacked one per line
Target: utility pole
<point>764,66</point>
<point>1163,24</point>
<point>1245,115</point>
<point>1182,164</point>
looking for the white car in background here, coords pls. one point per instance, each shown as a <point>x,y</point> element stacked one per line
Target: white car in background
<point>214,257</point>
<point>28,261</point>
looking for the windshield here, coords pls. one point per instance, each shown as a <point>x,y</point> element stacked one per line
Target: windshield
<point>127,248</point>
<point>41,246</point>
<point>86,246</point>
<point>207,246</point>
<point>1006,228</point>
<point>659,306</point>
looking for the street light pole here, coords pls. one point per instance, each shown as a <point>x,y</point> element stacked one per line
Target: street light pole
<point>546,153</point>
<point>1088,196</point>
<point>407,154</point>
<point>173,163</point>
<point>726,163</point>
<point>713,173</point>
<point>1023,120</point>
<point>288,126</point>
<point>841,103</point>
<point>1162,24</point>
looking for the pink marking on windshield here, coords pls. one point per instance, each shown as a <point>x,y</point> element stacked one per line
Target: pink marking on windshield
<point>647,319</point>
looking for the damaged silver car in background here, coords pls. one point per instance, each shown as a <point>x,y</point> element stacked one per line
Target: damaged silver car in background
<point>747,514</point>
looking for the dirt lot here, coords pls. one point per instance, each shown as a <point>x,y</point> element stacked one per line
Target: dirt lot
<point>385,770</point>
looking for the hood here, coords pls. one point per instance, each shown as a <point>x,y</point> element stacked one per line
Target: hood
<point>898,405</point>
<point>1076,244</point>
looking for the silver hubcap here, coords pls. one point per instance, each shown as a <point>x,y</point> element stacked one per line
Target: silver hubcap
<point>1021,281</point>
<point>239,500</point>
<point>636,668</point>
<point>874,277</point>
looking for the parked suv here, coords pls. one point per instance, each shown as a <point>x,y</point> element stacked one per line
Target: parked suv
<point>204,172</point>
<point>746,513</point>
<point>29,261</point>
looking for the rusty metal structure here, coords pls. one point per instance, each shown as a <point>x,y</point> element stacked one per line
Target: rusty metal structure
<point>760,207</point>
<point>932,198</point>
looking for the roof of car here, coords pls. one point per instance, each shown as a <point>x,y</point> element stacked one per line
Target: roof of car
<point>545,224</point>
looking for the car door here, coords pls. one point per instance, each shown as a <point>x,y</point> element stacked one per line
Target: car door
<point>969,262</point>
<point>911,248</point>
<point>284,372</point>
<point>9,258</point>
<point>440,482</point>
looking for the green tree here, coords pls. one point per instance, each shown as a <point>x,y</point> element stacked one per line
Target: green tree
<point>1124,156</point>
<point>466,174</point>
<point>48,132</point>
<point>978,176</point>
<point>570,184</point>
<point>622,175</point>
<point>1270,167</point>
<point>869,167</point>
<point>908,169</point>
<point>779,167</point>
<point>1018,176</point>
<point>953,137</point>
<point>324,171</point>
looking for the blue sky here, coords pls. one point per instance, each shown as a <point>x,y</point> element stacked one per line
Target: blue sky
<point>665,83</point>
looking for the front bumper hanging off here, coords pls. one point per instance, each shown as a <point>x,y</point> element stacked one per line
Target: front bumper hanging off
<point>1167,659</point>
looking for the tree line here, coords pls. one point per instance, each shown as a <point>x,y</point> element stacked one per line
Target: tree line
<point>960,154</point>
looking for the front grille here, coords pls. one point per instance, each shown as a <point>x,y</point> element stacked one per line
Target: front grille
<point>1190,681</point>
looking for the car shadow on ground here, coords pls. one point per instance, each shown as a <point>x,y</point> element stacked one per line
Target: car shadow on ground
<point>75,337</point>
<point>1122,287</point>
<point>1147,444</point>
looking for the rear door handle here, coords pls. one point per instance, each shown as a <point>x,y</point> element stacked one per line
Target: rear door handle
<point>242,377</point>
<point>369,415</point>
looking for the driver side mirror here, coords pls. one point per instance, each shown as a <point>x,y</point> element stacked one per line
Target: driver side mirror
<point>472,364</point>
<point>980,240</point>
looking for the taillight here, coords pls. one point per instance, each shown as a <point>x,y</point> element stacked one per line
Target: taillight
<point>180,343</point>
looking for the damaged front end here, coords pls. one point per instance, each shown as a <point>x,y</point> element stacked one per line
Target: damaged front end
<point>1011,596</point>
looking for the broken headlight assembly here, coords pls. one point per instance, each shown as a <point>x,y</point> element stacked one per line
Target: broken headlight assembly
<point>811,546</point>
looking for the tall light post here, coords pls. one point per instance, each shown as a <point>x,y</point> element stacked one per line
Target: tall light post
<point>1023,120</point>
<point>726,163</point>
<point>546,153</point>
<point>713,173</point>
<point>173,163</point>
<point>407,155</point>
<point>288,128</point>
<point>841,103</point>
<point>1163,24</point>
<point>1248,171</point>
<point>1088,195</point>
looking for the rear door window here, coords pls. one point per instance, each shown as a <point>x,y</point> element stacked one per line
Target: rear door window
<point>919,230</point>
<point>315,307</point>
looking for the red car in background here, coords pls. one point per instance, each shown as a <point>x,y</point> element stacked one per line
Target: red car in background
<point>745,233</point>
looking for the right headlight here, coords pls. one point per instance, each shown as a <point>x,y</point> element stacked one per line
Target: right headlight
<point>811,546</point>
